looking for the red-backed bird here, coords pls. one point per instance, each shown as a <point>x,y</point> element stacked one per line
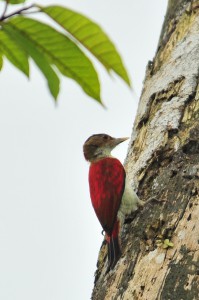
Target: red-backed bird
<point>111,193</point>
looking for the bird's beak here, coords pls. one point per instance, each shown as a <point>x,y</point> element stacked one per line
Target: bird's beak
<point>120,140</point>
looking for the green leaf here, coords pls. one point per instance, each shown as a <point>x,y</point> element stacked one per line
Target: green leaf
<point>167,244</point>
<point>37,56</point>
<point>59,51</point>
<point>91,36</point>
<point>14,53</point>
<point>15,1</point>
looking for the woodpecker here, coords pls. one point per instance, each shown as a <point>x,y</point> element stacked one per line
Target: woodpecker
<point>111,193</point>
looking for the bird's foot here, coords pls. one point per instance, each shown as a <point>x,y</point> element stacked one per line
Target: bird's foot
<point>154,199</point>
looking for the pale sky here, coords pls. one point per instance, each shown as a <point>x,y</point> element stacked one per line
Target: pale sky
<point>49,234</point>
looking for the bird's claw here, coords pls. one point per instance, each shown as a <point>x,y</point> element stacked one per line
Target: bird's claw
<point>153,199</point>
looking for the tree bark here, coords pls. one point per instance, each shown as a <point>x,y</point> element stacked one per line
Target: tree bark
<point>160,243</point>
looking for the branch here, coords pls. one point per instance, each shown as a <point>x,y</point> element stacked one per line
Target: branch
<point>17,12</point>
<point>5,9</point>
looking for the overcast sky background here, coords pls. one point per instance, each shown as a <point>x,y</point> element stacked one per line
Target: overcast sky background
<point>49,234</point>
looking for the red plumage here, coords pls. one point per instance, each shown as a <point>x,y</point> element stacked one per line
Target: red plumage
<point>107,181</point>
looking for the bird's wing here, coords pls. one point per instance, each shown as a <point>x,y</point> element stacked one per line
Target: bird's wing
<point>106,180</point>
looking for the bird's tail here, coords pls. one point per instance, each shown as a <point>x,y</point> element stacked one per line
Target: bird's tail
<point>114,251</point>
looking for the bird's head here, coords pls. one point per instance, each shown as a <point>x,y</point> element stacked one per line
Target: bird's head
<point>100,145</point>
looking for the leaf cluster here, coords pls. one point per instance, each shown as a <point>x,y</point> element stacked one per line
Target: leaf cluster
<point>57,51</point>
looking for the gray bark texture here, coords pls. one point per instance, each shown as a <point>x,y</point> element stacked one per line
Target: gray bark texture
<point>160,243</point>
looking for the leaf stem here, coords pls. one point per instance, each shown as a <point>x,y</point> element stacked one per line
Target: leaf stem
<point>17,12</point>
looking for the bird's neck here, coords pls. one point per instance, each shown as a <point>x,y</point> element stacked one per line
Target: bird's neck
<point>102,153</point>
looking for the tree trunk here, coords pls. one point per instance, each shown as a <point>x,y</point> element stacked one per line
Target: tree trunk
<point>160,243</point>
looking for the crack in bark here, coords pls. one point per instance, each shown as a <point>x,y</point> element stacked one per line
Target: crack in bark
<point>156,99</point>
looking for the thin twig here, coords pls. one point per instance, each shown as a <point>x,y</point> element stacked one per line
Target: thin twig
<point>17,12</point>
<point>5,9</point>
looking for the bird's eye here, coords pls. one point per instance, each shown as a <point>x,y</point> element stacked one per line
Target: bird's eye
<point>105,137</point>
